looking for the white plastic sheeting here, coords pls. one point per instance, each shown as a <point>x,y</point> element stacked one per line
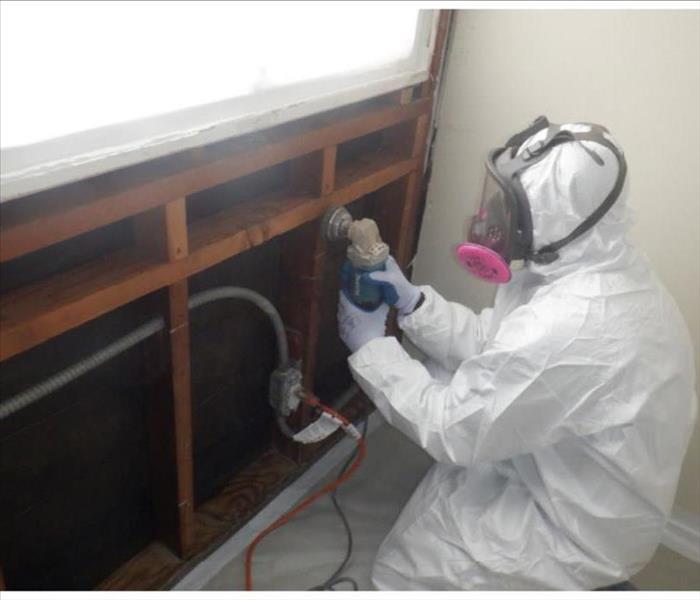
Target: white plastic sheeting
<point>307,550</point>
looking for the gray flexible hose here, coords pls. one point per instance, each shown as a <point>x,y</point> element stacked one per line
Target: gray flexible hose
<point>55,382</point>
<point>284,427</point>
<point>239,293</point>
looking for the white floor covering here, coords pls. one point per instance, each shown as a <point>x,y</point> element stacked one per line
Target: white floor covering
<point>306,551</point>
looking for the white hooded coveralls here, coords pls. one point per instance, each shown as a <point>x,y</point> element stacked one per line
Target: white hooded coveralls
<point>558,419</point>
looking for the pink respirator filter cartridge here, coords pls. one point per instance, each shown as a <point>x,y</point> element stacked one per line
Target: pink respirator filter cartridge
<point>482,262</point>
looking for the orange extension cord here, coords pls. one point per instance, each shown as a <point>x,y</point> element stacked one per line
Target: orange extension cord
<point>311,400</point>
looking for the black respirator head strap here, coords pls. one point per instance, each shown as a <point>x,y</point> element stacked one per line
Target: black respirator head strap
<point>506,168</point>
<point>549,253</point>
<point>517,140</point>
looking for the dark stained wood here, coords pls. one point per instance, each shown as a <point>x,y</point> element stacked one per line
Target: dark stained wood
<point>369,156</point>
<point>248,224</point>
<point>302,269</point>
<point>65,255</point>
<point>422,125</point>
<point>409,213</point>
<point>374,170</point>
<point>147,570</point>
<point>176,229</point>
<point>397,204</point>
<point>182,413</point>
<point>314,173</point>
<point>443,29</point>
<point>400,139</point>
<point>77,208</point>
<point>387,211</point>
<point>328,169</point>
<point>415,192</point>
<point>407,220</point>
<point>182,500</point>
<point>35,313</point>
<point>162,232</point>
<point>161,438</point>
<point>75,483</point>
<point>303,254</point>
<point>252,486</point>
<point>157,568</point>
<point>234,350</point>
<point>305,174</point>
<point>149,233</point>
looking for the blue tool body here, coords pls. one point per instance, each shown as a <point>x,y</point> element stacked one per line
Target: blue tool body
<point>360,289</point>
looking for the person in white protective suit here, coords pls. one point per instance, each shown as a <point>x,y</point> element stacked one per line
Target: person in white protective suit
<point>559,419</point>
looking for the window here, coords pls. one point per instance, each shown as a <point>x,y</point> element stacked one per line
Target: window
<point>88,87</point>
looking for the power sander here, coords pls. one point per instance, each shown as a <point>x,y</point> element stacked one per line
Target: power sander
<point>367,252</point>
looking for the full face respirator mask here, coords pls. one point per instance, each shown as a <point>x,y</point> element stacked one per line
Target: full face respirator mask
<point>501,231</point>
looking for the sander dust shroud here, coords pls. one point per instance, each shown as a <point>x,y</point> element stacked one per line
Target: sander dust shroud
<point>367,252</point>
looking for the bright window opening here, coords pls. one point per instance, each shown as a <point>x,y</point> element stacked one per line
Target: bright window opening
<point>91,86</point>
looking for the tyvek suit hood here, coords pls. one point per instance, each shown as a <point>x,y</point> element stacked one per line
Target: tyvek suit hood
<point>558,419</point>
<point>564,189</point>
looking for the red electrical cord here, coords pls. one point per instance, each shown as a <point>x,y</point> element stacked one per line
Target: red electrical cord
<point>311,400</point>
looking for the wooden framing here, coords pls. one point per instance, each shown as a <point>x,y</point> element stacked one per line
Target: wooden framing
<point>43,310</point>
<point>167,249</point>
<point>74,209</point>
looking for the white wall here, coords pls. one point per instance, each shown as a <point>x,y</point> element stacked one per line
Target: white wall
<point>638,73</point>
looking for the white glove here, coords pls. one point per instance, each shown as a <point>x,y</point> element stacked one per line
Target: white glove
<point>356,326</point>
<point>398,291</point>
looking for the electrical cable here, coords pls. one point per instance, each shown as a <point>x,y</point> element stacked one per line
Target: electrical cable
<point>63,378</point>
<point>350,429</point>
<point>330,583</point>
<point>73,372</point>
<point>241,293</point>
<point>138,335</point>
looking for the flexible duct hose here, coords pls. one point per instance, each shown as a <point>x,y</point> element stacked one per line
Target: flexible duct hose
<point>56,382</point>
<point>239,293</point>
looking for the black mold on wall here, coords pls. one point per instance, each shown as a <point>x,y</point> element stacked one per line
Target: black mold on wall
<point>234,351</point>
<point>76,496</point>
<point>65,255</point>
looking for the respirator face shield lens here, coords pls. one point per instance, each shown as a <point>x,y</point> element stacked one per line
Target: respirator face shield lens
<point>487,252</point>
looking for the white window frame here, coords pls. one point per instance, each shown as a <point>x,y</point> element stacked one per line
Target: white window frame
<point>51,163</point>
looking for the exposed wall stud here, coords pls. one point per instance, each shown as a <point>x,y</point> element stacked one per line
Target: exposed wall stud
<point>167,250</point>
